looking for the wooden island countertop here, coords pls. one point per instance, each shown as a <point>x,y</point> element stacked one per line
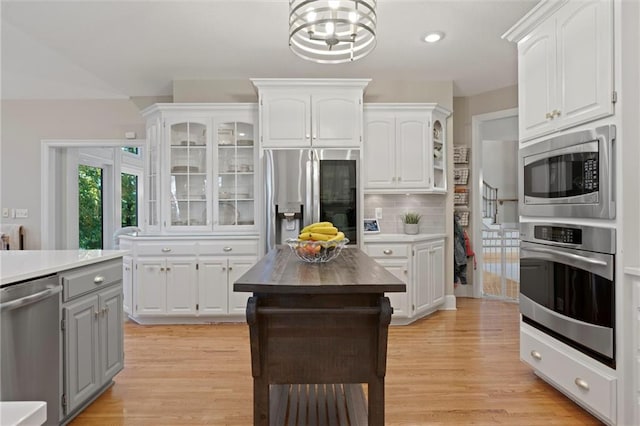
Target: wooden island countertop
<point>318,331</point>
<point>353,272</point>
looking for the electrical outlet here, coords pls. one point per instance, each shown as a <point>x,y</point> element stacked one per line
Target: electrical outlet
<point>5,212</point>
<point>378,212</point>
<point>22,213</point>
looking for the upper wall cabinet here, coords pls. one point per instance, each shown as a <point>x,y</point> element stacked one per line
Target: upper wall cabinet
<point>316,113</point>
<point>565,65</point>
<point>201,168</point>
<point>405,148</point>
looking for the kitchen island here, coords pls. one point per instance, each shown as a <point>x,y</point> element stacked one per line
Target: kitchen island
<point>317,331</point>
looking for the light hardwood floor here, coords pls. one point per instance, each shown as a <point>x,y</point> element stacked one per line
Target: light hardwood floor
<point>452,368</point>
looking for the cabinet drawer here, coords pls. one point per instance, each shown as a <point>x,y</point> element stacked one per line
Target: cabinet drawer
<point>594,390</point>
<point>387,250</point>
<point>166,249</point>
<point>229,247</point>
<point>83,280</point>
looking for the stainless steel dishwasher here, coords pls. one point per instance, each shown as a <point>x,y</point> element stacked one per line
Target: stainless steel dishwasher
<point>30,343</point>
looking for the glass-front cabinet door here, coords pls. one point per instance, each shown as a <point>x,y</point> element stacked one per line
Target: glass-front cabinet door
<point>439,156</point>
<point>189,166</point>
<point>235,188</point>
<point>152,177</point>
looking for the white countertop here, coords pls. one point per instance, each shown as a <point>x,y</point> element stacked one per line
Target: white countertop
<point>401,238</point>
<point>23,413</point>
<point>18,265</point>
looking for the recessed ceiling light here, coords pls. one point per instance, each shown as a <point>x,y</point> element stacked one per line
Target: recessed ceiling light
<point>434,37</point>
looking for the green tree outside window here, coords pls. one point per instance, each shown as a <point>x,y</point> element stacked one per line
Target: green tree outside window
<point>90,220</point>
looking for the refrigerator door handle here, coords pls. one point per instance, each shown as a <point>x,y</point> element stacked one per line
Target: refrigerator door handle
<point>316,188</point>
<point>270,200</point>
<point>308,202</point>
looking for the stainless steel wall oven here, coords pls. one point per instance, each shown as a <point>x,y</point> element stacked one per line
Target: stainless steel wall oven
<point>571,175</point>
<point>567,286</point>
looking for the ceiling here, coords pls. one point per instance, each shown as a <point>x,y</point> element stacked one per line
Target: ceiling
<point>120,48</point>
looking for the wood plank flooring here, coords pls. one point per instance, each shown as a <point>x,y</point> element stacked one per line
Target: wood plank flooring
<point>452,368</point>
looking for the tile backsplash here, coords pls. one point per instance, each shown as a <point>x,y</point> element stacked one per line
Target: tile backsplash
<point>431,207</point>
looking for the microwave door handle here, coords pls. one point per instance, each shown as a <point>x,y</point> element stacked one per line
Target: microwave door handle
<point>568,255</point>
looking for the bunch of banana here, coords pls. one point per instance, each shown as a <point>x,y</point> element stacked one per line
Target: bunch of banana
<point>321,231</point>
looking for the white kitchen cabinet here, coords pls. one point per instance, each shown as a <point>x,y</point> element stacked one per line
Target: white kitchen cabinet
<point>587,382</point>
<point>419,263</point>
<point>405,148</point>
<point>127,284</point>
<point>565,65</point>
<point>166,285</point>
<point>92,318</point>
<point>303,113</point>
<point>428,264</point>
<point>189,279</point>
<point>216,276</point>
<point>201,169</point>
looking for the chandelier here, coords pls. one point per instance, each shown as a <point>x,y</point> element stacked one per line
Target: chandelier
<point>332,32</point>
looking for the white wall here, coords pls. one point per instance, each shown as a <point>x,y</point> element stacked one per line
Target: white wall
<point>26,123</point>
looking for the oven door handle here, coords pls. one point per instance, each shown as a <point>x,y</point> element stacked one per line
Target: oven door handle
<point>568,255</point>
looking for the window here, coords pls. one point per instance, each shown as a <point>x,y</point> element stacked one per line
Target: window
<point>131,149</point>
<point>129,199</point>
<point>90,200</point>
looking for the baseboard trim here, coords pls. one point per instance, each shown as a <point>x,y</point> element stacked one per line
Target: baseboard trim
<point>449,303</point>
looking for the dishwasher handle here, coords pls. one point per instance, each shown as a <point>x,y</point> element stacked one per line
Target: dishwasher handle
<point>32,298</point>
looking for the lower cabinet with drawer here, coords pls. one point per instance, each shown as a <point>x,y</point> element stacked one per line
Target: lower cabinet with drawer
<point>188,280</point>
<point>420,265</point>
<point>92,332</point>
<point>587,382</point>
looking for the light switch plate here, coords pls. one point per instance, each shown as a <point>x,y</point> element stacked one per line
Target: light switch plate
<point>378,212</point>
<point>22,213</point>
<point>5,212</point>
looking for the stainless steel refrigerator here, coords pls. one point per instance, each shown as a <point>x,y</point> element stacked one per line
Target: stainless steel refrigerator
<point>304,186</point>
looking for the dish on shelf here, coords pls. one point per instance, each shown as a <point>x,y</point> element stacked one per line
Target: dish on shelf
<point>185,169</point>
<point>228,214</point>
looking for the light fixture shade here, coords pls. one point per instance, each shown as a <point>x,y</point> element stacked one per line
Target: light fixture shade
<point>332,31</point>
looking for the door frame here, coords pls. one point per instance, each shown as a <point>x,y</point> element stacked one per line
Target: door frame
<point>52,225</point>
<point>477,122</point>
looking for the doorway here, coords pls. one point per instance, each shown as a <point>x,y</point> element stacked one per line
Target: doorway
<point>121,164</point>
<point>495,217</point>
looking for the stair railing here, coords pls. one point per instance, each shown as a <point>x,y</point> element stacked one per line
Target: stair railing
<point>489,202</point>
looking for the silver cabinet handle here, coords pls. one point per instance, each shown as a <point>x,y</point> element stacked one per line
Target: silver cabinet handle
<point>536,355</point>
<point>388,251</point>
<point>98,279</point>
<point>227,249</point>
<point>95,314</point>
<point>548,116</point>
<point>582,384</point>
<point>556,113</point>
<point>166,250</point>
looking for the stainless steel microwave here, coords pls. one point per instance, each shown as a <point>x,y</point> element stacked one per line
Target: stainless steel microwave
<point>571,175</point>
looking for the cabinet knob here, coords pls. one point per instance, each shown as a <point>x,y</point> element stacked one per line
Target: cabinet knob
<point>161,269</point>
<point>388,251</point>
<point>95,314</point>
<point>536,355</point>
<point>548,116</point>
<point>166,250</point>
<point>582,384</point>
<point>227,249</point>
<point>167,269</point>
<point>230,268</point>
<point>556,113</point>
<point>224,268</point>
<point>98,279</point>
